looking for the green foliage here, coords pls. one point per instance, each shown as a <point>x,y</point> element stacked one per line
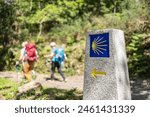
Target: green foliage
<point>70,71</point>
<point>60,94</point>
<point>101,7</point>
<point>41,39</point>
<point>70,33</point>
<point>7,14</point>
<point>8,91</point>
<point>24,35</point>
<point>60,11</point>
<point>8,88</point>
<point>52,94</point>
<point>50,12</point>
<point>66,22</point>
<point>139,58</point>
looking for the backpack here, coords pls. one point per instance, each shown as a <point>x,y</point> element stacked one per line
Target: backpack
<point>30,50</point>
<point>59,55</point>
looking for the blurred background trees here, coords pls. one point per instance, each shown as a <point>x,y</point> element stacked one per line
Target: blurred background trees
<point>66,22</point>
<point>7,35</point>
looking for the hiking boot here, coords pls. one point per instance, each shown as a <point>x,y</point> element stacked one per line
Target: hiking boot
<point>65,80</point>
<point>52,79</point>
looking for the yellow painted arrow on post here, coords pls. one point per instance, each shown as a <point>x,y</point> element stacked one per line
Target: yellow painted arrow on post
<point>94,73</point>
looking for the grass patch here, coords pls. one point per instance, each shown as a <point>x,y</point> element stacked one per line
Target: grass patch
<point>61,94</point>
<point>8,91</point>
<point>53,94</point>
<point>8,88</point>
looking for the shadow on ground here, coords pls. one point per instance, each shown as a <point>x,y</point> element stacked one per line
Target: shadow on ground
<point>51,94</point>
<point>140,89</point>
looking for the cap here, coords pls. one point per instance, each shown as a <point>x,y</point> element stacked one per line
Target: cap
<point>52,44</point>
<point>24,43</point>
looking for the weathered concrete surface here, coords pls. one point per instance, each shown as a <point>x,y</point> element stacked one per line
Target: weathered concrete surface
<point>115,84</point>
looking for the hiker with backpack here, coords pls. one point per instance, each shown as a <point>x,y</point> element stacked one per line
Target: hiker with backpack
<point>28,57</point>
<point>22,52</point>
<point>57,56</point>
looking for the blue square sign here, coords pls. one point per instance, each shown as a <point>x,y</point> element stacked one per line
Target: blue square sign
<point>99,45</point>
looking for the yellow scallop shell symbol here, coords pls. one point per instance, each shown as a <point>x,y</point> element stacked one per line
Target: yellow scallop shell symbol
<point>94,45</point>
<point>98,46</point>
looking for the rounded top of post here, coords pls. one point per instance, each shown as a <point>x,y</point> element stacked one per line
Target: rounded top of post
<point>90,32</point>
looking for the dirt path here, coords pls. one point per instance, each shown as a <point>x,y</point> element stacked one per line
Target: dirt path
<point>140,89</point>
<point>72,82</point>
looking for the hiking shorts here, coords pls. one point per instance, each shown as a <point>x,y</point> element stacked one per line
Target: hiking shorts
<point>55,65</point>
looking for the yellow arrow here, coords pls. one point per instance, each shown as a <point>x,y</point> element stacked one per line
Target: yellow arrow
<point>94,73</point>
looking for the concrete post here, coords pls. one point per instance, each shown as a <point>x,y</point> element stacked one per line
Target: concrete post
<point>106,71</point>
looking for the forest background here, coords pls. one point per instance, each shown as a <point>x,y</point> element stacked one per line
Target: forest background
<point>66,22</point>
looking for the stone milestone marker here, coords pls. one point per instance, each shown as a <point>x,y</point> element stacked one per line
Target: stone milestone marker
<point>106,71</point>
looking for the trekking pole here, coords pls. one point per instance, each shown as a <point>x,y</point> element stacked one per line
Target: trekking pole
<point>17,69</point>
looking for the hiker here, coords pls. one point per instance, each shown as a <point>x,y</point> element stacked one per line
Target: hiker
<point>22,55</point>
<point>57,57</point>
<point>28,57</point>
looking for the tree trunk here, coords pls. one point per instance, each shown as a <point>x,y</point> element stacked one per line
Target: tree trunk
<point>31,4</point>
<point>40,29</point>
<point>39,5</point>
